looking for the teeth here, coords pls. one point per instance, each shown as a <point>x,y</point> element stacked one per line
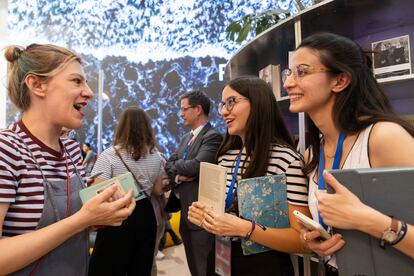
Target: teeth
<point>295,96</point>
<point>77,106</point>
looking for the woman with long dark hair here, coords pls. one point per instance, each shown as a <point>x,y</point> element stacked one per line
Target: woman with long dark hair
<point>258,140</point>
<point>350,120</point>
<point>129,248</point>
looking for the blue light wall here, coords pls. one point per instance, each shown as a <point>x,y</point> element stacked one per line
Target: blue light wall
<point>150,53</point>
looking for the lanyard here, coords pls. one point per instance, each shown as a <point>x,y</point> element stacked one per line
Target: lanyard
<point>335,165</point>
<point>230,193</point>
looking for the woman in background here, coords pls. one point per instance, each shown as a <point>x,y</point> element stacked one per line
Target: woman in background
<point>129,249</point>
<point>350,120</point>
<point>43,225</point>
<point>256,132</point>
<point>89,159</point>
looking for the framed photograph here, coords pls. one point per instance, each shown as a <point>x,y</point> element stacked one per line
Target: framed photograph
<point>271,74</point>
<point>391,58</point>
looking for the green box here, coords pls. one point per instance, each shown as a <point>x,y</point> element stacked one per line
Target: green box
<point>124,181</point>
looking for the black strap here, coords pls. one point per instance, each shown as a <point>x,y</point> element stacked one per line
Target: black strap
<point>133,175</point>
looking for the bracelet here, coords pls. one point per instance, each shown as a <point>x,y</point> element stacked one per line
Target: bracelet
<point>249,234</point>
<point>401,234</point>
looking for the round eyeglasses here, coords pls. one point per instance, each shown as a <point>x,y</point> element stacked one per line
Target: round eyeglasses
<point>230,103</point>
<point>301,70</point>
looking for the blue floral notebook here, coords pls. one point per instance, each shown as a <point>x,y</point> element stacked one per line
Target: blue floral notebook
<point>264,200</point>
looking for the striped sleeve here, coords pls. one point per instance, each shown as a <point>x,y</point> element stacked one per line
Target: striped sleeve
<point>284,160</point>
<point>297,188</point>
<point>8,170</point>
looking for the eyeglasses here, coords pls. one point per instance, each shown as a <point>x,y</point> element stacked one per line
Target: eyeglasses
<point>184,109</point>
<point>229,103</point>
<point>301,70</point>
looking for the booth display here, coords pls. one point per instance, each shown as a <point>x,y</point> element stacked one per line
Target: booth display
<point>369,23</point>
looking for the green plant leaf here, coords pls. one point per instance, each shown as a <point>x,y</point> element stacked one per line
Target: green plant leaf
<point>263,24</point>
<point>243,33</point>
<point>259,22</point>
<point>233,27</point>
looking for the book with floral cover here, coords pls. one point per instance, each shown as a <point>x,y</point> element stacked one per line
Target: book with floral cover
<point>263,200</point>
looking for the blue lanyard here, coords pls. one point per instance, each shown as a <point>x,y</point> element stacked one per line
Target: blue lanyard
<point>230,193</point>
<point>335,165</point>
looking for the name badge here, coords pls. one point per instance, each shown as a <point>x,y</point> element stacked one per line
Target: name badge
<point>223,256</point>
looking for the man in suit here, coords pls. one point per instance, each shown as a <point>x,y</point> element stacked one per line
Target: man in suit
<point>183,167</point>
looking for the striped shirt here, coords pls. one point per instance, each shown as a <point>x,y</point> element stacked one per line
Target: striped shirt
<point>21,182</point>
<point>283,160</point>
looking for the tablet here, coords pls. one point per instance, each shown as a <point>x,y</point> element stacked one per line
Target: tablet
<point>390,191</point>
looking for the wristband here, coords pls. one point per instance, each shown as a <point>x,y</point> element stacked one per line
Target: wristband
<point>249,234</point>
<point>401,233</point>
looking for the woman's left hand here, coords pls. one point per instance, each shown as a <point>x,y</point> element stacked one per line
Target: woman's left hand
<point>342,209</point>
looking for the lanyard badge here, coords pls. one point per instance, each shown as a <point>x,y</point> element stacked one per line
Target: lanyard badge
<point>230,192</point>
<point>335,166</point>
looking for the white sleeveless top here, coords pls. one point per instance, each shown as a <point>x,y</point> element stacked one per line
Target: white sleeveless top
<point>358,157</point>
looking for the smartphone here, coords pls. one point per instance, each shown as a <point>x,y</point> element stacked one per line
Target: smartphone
<point>310,224</point>
<point>95,175</point>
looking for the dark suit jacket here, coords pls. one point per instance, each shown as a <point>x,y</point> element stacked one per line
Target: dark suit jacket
<point>203,149</point>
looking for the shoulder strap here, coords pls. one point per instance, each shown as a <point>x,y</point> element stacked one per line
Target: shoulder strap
<point>133,175</point>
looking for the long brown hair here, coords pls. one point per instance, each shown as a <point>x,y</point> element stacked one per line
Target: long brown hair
<point>265,125</point>
<point>134,133</point>
<point>362,103</point>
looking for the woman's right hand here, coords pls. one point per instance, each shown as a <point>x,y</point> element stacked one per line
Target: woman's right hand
<point>321,247</point>
<point>100,210</point>
<point>197,213</point>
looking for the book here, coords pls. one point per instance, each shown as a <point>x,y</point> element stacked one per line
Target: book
<point>212,186</point>
<point>263,200</point>
<point>124,183</point>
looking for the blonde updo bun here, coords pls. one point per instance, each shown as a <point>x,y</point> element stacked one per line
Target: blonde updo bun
<point>12,53</point>
<point>40,60</point>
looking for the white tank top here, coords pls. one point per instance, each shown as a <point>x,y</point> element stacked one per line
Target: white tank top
<point>358,157</point>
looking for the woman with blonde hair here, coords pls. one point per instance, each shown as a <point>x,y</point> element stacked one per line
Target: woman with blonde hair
<point>42,222</point>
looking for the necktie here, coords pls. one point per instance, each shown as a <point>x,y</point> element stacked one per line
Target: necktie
<point>187,147</point>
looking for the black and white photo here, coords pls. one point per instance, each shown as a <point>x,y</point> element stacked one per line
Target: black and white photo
<point>391,57</point>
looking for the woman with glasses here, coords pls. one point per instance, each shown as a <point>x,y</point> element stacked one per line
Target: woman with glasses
<point>259,141</point>
<point>349,118</point>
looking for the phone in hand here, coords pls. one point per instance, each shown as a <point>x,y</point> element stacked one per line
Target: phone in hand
<point>93,176</point>
<point>90,179</point>
<point>311,224</point>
